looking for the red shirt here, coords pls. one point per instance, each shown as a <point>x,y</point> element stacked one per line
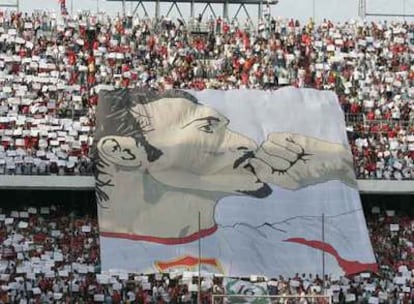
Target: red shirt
<point>370,115</point>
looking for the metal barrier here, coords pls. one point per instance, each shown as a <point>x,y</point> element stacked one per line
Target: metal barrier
<point>359,120</point>
<point>354,118</point>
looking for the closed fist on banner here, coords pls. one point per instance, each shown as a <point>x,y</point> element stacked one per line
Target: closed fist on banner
<point>293,161</point>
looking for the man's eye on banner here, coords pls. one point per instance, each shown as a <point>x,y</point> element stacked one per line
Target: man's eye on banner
<point>165,155</point>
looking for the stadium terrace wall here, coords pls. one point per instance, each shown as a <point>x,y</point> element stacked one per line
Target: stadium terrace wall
<point>247,2</point>
<point>76,183</point>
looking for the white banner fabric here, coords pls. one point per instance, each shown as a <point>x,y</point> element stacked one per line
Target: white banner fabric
<point>261,168</point>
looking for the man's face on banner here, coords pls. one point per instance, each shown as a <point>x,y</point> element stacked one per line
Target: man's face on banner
<point>199,151</point>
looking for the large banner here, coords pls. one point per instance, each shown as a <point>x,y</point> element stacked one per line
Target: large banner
<point>261,168</point>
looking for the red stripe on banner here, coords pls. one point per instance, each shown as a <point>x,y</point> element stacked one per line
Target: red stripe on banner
<point>165,241</point>
<point>186,261</point>
<point>349,267</point>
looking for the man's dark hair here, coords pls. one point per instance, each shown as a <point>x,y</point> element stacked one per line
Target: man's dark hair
<point>116,117</point>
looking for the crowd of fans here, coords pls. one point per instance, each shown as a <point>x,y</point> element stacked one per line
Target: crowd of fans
<point>52,66</point>
<point>50,254</point>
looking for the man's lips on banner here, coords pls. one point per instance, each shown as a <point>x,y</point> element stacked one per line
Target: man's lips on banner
<point>243,159</point>
<point>188,262</point>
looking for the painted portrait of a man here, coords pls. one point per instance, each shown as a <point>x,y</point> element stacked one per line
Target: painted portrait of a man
<point>164,158</point>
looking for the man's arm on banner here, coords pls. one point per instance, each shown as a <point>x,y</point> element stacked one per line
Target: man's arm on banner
<point>294,161</point>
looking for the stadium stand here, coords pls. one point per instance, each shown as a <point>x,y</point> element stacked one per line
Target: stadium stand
<point>51,69</point>
<point>50,254</point>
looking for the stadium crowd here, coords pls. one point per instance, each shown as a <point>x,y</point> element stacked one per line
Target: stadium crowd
<point>52,67</point>
<point>50,254</point>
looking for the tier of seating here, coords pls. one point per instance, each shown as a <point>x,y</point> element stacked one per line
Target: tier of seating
<point>50,254</point>
<point>52,66</point>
